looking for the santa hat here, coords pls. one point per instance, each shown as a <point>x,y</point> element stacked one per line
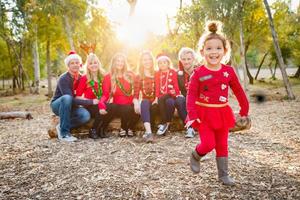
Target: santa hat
<point>72,55</point>
<point>162,56</point>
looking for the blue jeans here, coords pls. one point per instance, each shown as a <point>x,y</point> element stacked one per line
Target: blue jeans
<point>167,105</point>
<point>148,111</point>
<point>69,117</point>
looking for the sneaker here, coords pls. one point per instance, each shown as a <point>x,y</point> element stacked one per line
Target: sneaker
<point>130,133</point>
<point>59,136</point>
<point>190,133</point>
<point>122,133</point>
<point>148,137</point>
<point>162,129</point>
<point>69,138</point>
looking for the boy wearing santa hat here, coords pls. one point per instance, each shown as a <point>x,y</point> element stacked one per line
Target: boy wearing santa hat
<point>63,103</point>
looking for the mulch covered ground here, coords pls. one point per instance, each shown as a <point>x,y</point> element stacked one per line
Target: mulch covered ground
<point>265,161</point>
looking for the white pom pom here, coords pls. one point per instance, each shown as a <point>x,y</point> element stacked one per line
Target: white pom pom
<point>180,73</point>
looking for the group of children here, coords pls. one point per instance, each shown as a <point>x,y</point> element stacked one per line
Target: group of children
<point>199,93</point>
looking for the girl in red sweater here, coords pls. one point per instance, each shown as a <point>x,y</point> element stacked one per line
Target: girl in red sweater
<point>167,93</point>
<point>207,101</point>
<point>147,91</point>
<point>90,90</point>
<point>119,84</point>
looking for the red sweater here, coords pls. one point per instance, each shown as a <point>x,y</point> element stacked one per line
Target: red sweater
<point>85,89</point>
<point>211,87</point>
<point>118,96</point>
<point>146,86</point>
<point>166,83</point>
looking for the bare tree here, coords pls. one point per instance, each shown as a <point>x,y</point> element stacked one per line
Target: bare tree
<point>278,54</point>
<point>36,62</point>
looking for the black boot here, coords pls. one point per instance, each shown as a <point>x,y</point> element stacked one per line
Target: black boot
<point>93,133</point>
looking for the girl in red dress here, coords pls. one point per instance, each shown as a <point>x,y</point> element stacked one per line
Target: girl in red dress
<point>167,93</point>
<point>207,101</point>
<point>119,84</point>
<point>90,90</point>
<point>147,92</point>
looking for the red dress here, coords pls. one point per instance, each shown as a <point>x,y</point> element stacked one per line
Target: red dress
<point>210,89</point>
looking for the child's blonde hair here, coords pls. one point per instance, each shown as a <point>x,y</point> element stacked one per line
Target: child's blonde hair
<point>141,67</point>
<point>214,31</point>
<point>91,58</point>
<point>125,72</point>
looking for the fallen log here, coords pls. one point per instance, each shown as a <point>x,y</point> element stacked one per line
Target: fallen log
<point>176,126</point>
<point>16,114</point>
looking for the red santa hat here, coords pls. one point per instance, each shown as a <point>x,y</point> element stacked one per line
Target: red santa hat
<point>72,55</point>
<point>163,56</point>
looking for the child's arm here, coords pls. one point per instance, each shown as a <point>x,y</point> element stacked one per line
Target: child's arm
<point>192,95</point>
<point>176,87</point>
<point>240,94</point>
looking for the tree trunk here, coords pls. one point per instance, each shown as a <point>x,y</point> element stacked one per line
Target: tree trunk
<point>279,55</point>
<point>261,63</point>
<point>274,72</point>
<point>270,67</point>
<point>3,79</point>
<point>297,74</point>
<point>49,73</point>
<point>69,32</point>
<point>36,62</point>
<point>250,77</point>
<point>243,56</point>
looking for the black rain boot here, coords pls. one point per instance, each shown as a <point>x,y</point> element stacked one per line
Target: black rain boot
<point>195,161</point>
<point>93,133</point>
<point>222,165</point>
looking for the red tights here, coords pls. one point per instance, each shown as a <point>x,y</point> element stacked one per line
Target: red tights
<point>212,139</point>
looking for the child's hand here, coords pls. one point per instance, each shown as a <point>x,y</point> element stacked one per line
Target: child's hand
<point>102,112</point>
<point>189,123</point>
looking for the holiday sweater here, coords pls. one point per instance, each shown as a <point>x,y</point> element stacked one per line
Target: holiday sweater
<point>211,87</point>
<point>166,83</point>
<point>146,87</point>
<point>88,91</point>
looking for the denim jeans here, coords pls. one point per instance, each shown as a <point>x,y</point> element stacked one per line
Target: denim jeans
<point>69,117</point>
<point>167,105</point>
<point>148,111</point>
